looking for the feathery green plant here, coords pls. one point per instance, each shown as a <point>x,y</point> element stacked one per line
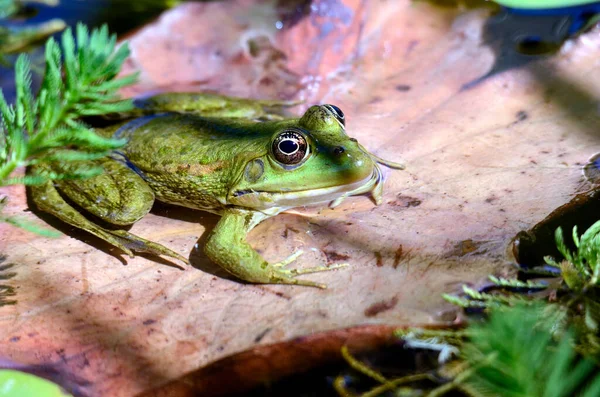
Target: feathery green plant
<point>525,347</point>
<point>580,269</point>
<point>514,355</point>
<point>483,300</point>
<point>579,276</point>
<point>47,128</point>
<point>574,287</point>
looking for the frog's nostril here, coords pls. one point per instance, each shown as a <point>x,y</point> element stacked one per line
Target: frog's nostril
<point>339,150</point>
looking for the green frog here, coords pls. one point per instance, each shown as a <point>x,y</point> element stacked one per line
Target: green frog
<point>239,159</point>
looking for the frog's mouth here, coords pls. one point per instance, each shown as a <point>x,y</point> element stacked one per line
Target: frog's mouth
<point>273,203</point>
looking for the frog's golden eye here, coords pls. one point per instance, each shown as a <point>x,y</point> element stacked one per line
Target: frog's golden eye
<point>337,113</point>
<point>290,147</point>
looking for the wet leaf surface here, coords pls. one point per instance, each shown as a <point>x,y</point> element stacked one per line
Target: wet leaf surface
<point>482,165</point>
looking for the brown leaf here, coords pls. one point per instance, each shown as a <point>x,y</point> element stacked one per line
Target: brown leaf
<point>482,164</point>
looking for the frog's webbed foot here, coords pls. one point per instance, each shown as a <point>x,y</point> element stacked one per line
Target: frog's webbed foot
<point>288,275</point>
<point>130,242</point>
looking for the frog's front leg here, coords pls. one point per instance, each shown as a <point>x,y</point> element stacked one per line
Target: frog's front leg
<point>227,246</point>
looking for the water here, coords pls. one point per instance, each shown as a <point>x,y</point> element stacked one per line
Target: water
<point>121,16</point>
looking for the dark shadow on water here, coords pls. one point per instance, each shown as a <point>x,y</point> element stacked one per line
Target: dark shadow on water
<point>518,40</point>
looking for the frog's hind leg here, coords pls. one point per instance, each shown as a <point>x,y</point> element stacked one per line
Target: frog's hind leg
<point>48,199</point>
<point>212,105</point>
<point>118,195</point>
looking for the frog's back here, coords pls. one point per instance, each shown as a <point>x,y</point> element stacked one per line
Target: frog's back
<point>189,160</point>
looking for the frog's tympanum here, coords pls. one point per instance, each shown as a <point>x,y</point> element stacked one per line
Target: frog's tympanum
<point>231,164</point>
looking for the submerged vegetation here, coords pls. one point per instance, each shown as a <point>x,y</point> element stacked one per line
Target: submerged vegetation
<point>16,37</point>
<point>47,127</point>
<point>571,283</point>
<point>529,337</point>
<point>514,353</point>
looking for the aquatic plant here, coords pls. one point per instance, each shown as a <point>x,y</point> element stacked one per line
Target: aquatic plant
<point>7,292</point>
<point>535,338</point>
<point>574,285</point>
<point>580,269</point>
<point>502,296</point>
<point>512,353</point>
<point>47,128</point>
<point>17,37</point>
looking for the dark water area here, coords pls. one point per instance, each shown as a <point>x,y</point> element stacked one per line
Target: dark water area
<point>121,16</point>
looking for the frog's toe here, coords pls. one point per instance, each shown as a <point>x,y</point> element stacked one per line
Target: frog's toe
<point>317,269</point>
<point>287,276</point>
<point>306,283</point>
<point>138,244</point>
<point>289,259</point>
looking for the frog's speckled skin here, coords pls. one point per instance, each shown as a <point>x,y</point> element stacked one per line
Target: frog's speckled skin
<point>241,169</point>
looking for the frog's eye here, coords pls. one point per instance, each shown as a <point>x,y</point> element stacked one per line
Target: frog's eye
<point>337,112</point>
<point>290,147</point>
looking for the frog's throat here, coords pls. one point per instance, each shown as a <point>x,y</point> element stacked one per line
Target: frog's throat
<point>374,185</point>
<point>273,203</point>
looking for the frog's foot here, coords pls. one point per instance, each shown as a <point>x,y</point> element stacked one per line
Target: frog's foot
<point>286,276</point>
<point>128,242</point>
